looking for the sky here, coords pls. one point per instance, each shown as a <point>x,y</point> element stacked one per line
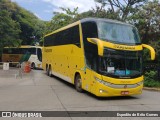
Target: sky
<point>44,9</point>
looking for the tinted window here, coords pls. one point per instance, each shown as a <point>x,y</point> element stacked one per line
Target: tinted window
<point>39,54</point>
<point>68,36</point>
<point>11,51</point>
<point>89,30</point>
<point>24,50</point>
<point>19,50</point>
<point>32,51</point>
<point>5,51</point>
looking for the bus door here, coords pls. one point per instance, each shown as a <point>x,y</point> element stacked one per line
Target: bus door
<point>91,67</point>
<point>87,80</point>
<point>39,54</point>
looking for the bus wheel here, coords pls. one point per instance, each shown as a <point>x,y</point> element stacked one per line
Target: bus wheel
<point>33,66</point>
<point>47,70</point>
<point>50,71</point>
<point>78,83</point>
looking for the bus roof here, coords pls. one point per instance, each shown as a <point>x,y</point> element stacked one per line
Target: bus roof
<point>103,20</point>
<point>63,28</point>
<point>87,20</point>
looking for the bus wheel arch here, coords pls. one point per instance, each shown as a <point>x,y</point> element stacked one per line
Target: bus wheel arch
<point>78,82</point>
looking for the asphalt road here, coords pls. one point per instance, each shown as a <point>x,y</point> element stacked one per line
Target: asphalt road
<point>38,92</point>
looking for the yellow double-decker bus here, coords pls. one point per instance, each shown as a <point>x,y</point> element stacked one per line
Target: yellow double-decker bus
<point>100,56</point>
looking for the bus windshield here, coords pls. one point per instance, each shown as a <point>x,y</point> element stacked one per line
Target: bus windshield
<point>121,64</point>
<point>118,33</point>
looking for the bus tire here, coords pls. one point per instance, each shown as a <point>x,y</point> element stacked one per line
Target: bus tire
<point>47,71</point>
<point>78,83</point>
<point>50,72</point>
<point>33,66</point>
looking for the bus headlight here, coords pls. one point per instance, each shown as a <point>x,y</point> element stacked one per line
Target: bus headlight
<point>102,82</point>
<point>140,83</point>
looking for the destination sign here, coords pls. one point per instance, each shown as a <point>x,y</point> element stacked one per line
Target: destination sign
<point>48,50</point>
<point>123,47</point>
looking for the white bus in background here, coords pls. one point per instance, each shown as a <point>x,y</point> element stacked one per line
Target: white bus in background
<point>32,54</point>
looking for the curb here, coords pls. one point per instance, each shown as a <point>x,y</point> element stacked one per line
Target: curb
<point>151,89</point>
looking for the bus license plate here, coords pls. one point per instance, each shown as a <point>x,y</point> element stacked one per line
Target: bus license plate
<point>124,92</point>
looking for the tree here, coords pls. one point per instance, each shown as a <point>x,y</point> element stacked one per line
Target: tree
<point>62,19</point>
<point>156,46</point>
<point>147,20</point>
<point>9,30</point>
<point>101,12</point>
<point>125,7</point>
<point>39,30</point>
<point>31,27</point>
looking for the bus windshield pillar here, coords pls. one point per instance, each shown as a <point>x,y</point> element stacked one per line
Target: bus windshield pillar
<point>152,51</point>
<point>99,44</point>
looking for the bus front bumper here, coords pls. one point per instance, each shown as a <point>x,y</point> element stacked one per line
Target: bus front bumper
<point>105,91</point>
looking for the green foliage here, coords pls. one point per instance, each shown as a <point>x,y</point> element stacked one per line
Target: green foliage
<point>146,19</point>
<point>58,21</point>
<point>62,19</point>
<point>125,7</point>
<point>146,55</point>
<point>150,79</point>
<point>156,46</point>
<point>9,30</point>
<point>101,12</point>
<point>30,28</point>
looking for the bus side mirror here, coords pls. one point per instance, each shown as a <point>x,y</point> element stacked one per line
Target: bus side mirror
<point>98,43</point>
<point>152,51</point>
